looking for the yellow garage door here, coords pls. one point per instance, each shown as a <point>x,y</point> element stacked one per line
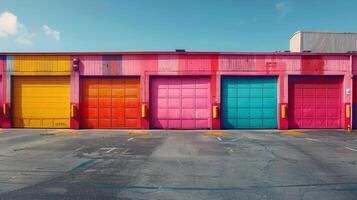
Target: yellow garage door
<point>41,102</point>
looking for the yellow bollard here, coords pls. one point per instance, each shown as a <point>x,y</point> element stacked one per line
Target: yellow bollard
<point>143,110</point>
<point>348,111</point>
<point>4,109</point>
<point>283,111</point>
<point>215,112</point>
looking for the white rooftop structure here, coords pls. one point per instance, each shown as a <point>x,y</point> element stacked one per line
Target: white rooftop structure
<point>323,42</point>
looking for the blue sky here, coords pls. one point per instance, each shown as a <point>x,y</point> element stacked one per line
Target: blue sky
<point>196,25</point>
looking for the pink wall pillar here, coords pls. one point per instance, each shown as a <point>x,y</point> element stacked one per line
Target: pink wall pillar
<point>6,90</point>
<point>2,86</point>
<point>145,99</point>
<point>283,86</point>
<point>347,100</point>
<point>75,94</point>
<point>215,91</point>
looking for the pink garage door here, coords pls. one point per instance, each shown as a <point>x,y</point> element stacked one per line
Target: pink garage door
<point>315,102</point>
<point>180,103</point>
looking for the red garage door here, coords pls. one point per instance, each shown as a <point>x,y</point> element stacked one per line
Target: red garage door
<point>180,103</point>
<point>315,102</point>
<point>110,103</point>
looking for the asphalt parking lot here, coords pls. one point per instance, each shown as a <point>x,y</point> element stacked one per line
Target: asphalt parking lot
<point>119,164</point>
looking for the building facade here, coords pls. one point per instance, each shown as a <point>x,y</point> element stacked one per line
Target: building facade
<point>178,90</point>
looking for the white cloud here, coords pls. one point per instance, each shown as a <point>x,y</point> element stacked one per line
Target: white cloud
<point>25,37</point>
<point>8,24</point>
<point>283,8</point>
<point>51,32</point>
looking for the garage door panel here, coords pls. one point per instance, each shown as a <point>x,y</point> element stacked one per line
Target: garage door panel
<point>245,101</point>
<point>175,92</point>
<point>131,112</point>
<point>179,100</point>
<point>256,123</point>
<point>241,123</point>
<point>321,122</point>
<point>187,124</point>
<point>104,113</point>
<point>256,93</point>
<point>202,103</point>
<point>268,102</point>
<point>189,92</point>
<point>201,92</point>
<point>118,112</point>
<point>109,102</point>
<point>242,103</point>
<point>131,92</point>
<point>118,93</point>
<point>34,95</point>
<point>308,112</point>
<point>202,123</point>
<point>333,122</point>
<point>321,93</point>
<point>268,113</point>
<point>244,92</point>
<point>231,103</point>
<point>201,114</point>
<point>332,102</point>
<point>175,123</point>
<point>319,102</point>
<point>334,113</point>
<point>104,123</point>
<point>255,114</point>
<point>174,113</point>
<point>118,103</point>
<point>233,114</point>
<point>269,92</point>
<point>162,92</point>
<point>257,102</point>
<point>105,102</point>
<point>295,112</point>
<point>90,113</point>
<point>320,113</point>
<point>243,113</point>
<point>188,114</point>
<point>89,123</point>
<point>188,103</point>
<point>268,122</point>
<point>333,92</point>
<point>202,83</point>
<point>174,102</point>
<point>131,103</point>
<point>91,92</point>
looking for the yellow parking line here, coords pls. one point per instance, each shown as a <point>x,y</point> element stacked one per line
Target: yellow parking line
<point>64,132</point>
<point>216,133</point>
<point>139,133</point>
<point>292,133</point>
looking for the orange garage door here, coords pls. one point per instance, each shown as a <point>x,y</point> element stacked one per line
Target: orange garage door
<point>110,103</point>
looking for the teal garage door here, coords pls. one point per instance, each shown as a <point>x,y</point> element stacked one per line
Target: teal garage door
<point>249,102</point>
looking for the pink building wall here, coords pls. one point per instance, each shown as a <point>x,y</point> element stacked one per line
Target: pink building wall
<point>214,65</point>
